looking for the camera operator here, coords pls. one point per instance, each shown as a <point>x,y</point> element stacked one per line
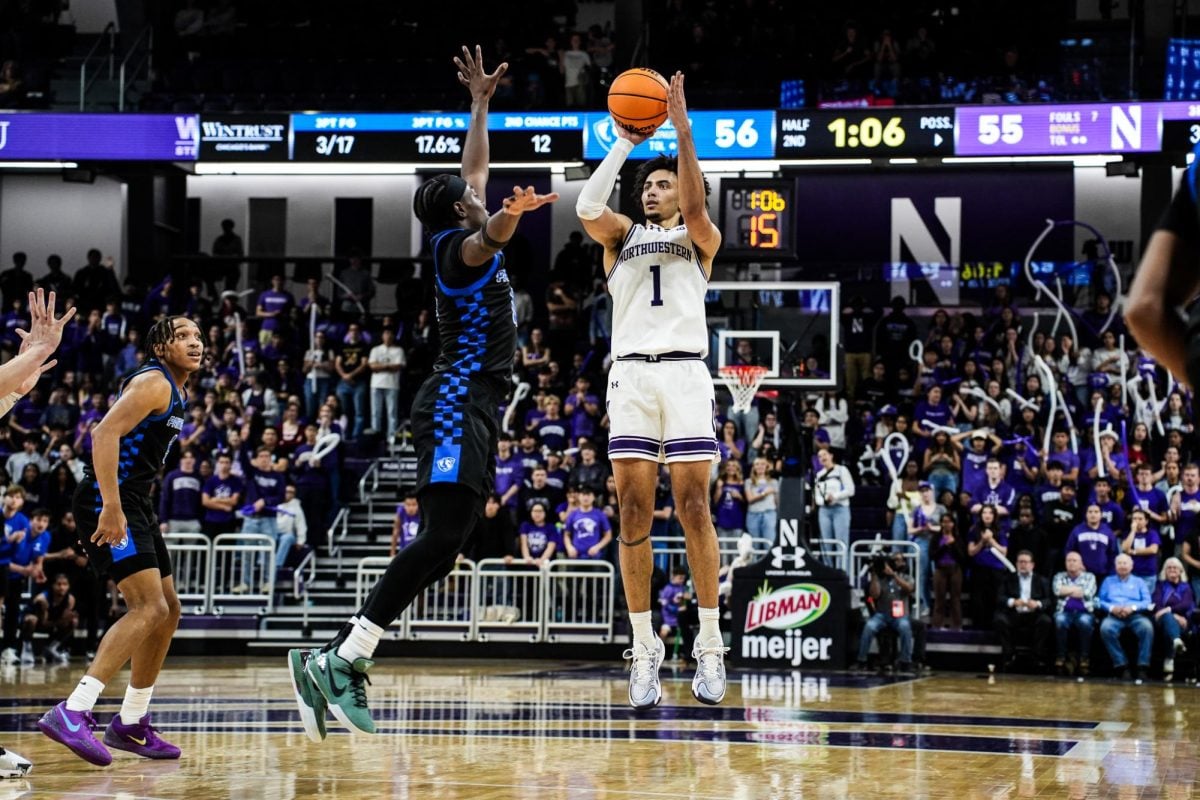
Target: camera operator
<point>889,594</point>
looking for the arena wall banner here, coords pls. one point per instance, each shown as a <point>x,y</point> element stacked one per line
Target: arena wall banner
<point>933,216</point>
<point>99,137</point>
<point>788,609</point>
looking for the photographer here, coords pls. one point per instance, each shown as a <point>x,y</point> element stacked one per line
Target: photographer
<point>888,594</point>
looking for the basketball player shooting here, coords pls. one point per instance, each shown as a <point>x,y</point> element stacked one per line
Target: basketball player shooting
<point>454,423</point>
<point>660,393</point>
<point>119,531</point>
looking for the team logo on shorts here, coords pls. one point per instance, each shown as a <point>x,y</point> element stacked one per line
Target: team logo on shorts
<point>445,464</point>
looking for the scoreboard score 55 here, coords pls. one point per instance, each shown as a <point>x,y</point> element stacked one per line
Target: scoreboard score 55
<point>756,219</point>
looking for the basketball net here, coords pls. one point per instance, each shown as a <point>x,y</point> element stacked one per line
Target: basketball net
<point>743,381</point>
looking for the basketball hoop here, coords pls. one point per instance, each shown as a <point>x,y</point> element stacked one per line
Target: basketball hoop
<point>743,381</point>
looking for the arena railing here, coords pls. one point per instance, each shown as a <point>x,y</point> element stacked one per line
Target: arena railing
<point>671,551</point>
<point>831,552</point>
<point>510,601</point>
<point>191,565</point>
<point>496,600</point>
<point>243,559</point>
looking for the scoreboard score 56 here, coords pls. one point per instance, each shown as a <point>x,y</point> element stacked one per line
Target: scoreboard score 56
<point>756,219</point>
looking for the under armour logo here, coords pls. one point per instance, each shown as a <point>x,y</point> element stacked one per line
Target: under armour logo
<point>615,384</point>
<point>779,555</point>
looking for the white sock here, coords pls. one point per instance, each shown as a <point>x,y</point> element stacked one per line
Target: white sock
<point>710,625</point>
<point>137,702</point>
<point>642,628</point>
<point>85,695</point>
<point>363,639</point>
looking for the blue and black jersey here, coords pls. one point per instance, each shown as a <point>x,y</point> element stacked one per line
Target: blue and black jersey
<point>475,314</point>
<point>454,413</point>
<point>144,449</point>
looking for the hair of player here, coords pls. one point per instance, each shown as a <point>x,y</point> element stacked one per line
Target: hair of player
<point>648,168</point>
<point>432,205</point>
<point>160,333</point>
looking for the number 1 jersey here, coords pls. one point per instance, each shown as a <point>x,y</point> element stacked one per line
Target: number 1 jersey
<point>658,286</point>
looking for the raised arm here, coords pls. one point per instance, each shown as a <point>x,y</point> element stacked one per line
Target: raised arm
<point>20,374</point>
<point>479,247</point>
<point>603,224</point>
<point>693,202</point>
<point>482,86</point>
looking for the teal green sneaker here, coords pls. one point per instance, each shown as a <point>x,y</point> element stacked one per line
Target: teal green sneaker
<point>343,686</point>
<point>311,702</point>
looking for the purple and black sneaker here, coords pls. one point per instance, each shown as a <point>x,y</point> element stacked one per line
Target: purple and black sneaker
<point>140,739</point>
<point>74,729</point>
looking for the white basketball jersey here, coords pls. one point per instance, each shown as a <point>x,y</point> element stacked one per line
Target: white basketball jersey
<point>658,287</point>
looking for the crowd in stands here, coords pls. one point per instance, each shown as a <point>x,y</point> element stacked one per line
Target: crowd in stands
<point>369,55</point>
<point>1001,450</point>
<point>1053,479</point>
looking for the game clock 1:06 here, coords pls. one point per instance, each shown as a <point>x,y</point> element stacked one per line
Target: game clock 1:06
<point>867,132</point>
<point>755,218</point>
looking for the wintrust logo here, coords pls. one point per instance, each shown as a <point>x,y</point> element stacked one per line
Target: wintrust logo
<point>787,607</point>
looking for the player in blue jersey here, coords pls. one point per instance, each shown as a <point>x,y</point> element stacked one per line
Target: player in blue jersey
<point>455,429</point>
<point>121,535</point>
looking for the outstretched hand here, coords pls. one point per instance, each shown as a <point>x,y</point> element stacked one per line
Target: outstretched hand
<point>522,200</point>
<point>472,75</point>
<point>677,104</point>
<point>45,332</point>
<point>624,133</point>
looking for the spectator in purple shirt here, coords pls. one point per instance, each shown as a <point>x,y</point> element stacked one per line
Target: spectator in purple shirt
<point>539,538</point>
<point>509,475</point>
<point>987,543</point>
<point>1096,542</point>
<point>221,497</point>
<point>552,430</point>
<point>179,506</point>
<point>671,600</point>
<point>930,411</point>
<point>586,531</point>
<point>1142,543</point>
<point>407,524</point>
<point>729,500</point>
<point>1173,607</point>
<point>995,492</point>
<point>273,305</point>
<point>583,409</point>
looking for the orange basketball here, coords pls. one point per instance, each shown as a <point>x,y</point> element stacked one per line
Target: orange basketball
<point>637,100</point>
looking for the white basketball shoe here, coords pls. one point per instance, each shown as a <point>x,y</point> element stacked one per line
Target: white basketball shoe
<point>709,684</point>
<point>645,689</point>
<point>12,765</point>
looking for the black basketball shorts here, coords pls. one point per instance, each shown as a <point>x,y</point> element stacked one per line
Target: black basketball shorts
<point>144,547</point>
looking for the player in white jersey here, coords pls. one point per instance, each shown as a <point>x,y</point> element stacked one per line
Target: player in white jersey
<point>660,393</point>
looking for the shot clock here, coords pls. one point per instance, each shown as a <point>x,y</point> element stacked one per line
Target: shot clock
<point>864,133</point>
<point>756,219</point>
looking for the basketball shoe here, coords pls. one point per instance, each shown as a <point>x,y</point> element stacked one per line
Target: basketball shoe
<point>12,765</point>
<point>344,687</point>
<point>709,684</point>
<point>310,701</point>
<point>645,689</point>
<point>140,739</point>
<point>74,729</point>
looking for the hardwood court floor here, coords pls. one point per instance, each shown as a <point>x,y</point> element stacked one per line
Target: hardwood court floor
<point>542,731</point>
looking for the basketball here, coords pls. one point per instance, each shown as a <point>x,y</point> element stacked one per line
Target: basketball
<point>637,100</point>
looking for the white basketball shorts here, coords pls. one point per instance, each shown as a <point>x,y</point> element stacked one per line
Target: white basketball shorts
<point>661,411</point>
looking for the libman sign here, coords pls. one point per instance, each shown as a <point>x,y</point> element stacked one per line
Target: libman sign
<point>786,607</point>
<point>775,623</point>
<point>789,608</point>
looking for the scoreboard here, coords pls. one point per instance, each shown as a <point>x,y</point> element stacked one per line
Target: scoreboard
<point>528,137</point>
